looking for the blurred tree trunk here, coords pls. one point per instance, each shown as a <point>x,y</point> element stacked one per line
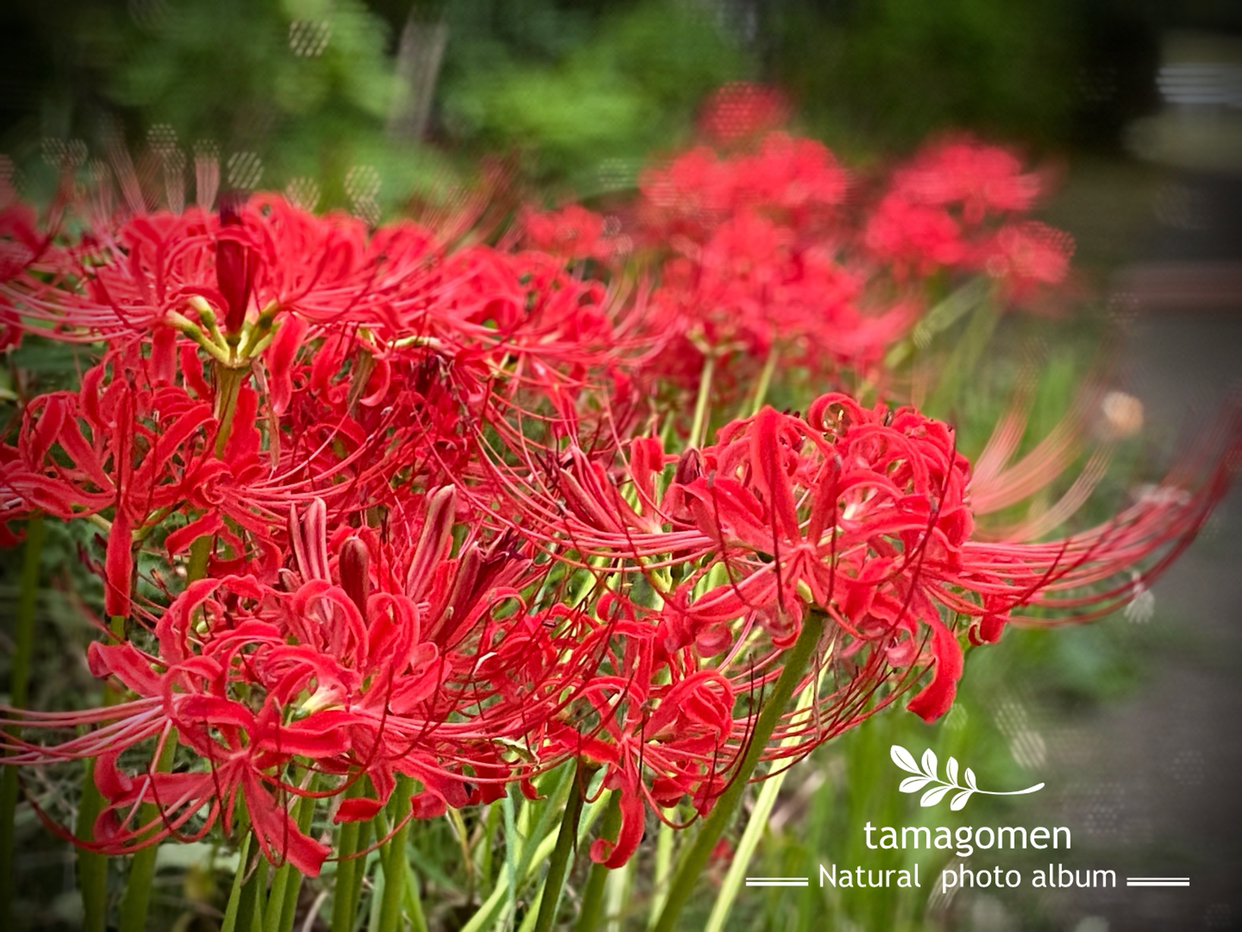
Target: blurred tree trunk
<point>418,68</point>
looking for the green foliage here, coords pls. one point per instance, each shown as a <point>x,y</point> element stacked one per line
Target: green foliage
<point>293,88</point>
<point>570,95</point>
<point>1010,693</point>
<point>232,66</point>
<point>884,73</point>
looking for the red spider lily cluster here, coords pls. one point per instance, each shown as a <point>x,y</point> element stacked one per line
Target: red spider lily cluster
<point>386,503</point>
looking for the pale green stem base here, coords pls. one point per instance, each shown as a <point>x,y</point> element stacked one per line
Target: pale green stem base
<point>698,429</point>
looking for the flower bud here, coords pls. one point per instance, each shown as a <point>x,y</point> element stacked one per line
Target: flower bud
<point>355,580</point>
<point>235,265</point>
<point>689,467</point>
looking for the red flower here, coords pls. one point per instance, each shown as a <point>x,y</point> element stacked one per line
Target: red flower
<point>366,662</point>
<point>662,731</point>
<point>740,110</point>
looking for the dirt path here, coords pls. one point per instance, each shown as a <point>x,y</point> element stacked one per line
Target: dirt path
<point>1153,783</point>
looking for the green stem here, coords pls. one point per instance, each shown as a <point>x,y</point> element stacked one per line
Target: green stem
<point>521,833</point>
<point>562,854</point>
<point>200,553</point>
<point>593,893</point>
<point>365,832</point>
<point>283,900</point>
<point>487,913</point>
<point>345,896</point>
<point>229,381</point>
<point>942,316</point>
<point>250,905</point>
<point>512,845</point>
<point>694,862</point>
<point>765,381</point>
<point>393,858</point>
<point>491,831</point>
<point>345,907</point>
<point>413,899</point>
<point>617,889</point>
<point>698,429</point>
<point>19,687</point>
<point>962,363</point>
<point>136,903</point>
<point>137,900</point>
<point>274,912</point>
<point>239,879</point>
<point>663,867</point>
<point>93,866</point>
<point>755,828</point>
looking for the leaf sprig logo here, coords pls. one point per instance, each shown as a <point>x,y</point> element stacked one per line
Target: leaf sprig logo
<point>927,771</point>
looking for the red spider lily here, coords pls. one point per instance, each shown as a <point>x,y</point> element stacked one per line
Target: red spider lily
<point>739,111</point>
<point>145,440</point>
<point>844,512</point>
<point>1027,256</point>
<point>796,180</point>
<point>954,207</point>
<point>384,671</point>
<point>660,741</point>
<point>966,175</point>
<point>21,244</point>
<point>753,289</point>
<point>916,236</point>
<point>139,276</point>
<point>133,446</point>
<point>246,752</point>
<point>571,233</point>
<point>397,290</point>
<point>438,546</point>
<point>762,262</point>
<point>136,450</point>
<point>864,515</point>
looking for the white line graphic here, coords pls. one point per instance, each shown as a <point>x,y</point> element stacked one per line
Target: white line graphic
<point>1157,881</point>
<point>777,882</point>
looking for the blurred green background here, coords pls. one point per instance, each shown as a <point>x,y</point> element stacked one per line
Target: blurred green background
<point>375,104</point>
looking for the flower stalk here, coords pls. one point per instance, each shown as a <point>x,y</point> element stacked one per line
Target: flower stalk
<point>394,861</point>
<point>698,427</point>
<point>136,902</point>
<point>287,883</point>
<point>19,688</point>
<point>692,864</point>
<point>566,844</point>
<point>755,828</point>
<point>591,912</point>
<point>350,866</point>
